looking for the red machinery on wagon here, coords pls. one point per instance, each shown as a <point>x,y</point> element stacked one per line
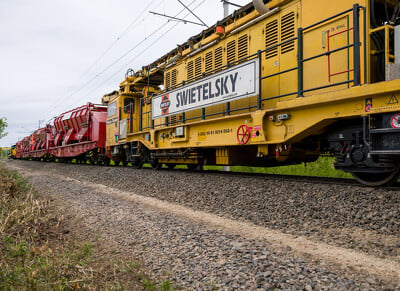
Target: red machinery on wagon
<point>41,140</point>
<point>22,148</point>
<point>79,133</point>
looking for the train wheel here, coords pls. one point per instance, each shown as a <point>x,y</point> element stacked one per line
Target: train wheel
<point>137,164</point>
<point>155,165</point>
<point>107,162</point>
<point>171,166</point>
<point>377,179</point>
<point>195,167</point>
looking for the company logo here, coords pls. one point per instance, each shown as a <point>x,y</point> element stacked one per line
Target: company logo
<point>368,105</point>
<point>165,103</point>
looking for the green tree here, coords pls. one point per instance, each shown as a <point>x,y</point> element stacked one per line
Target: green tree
<point>3,126</point>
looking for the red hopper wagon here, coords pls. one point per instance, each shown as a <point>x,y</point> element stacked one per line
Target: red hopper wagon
<point>76,134</point>
<point>81,133</point>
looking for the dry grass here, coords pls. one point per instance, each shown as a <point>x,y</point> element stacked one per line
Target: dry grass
<point>38,250</point>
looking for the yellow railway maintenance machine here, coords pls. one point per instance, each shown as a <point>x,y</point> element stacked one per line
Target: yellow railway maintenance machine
<point>274,83</point>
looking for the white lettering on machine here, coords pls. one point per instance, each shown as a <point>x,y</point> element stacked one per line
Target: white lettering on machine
<point>235,83</point>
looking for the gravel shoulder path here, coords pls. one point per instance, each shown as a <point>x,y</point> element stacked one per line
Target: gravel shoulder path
<point>196,248</point>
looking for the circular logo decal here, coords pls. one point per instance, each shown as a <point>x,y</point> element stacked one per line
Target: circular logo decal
<point>395,121</point>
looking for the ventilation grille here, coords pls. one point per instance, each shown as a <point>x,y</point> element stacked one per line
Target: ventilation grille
<point>287,32</point>
<point>189,74</point>
<point>218,57</point>
<point>197,67</point>
<point>271,39</point>
<point>168,79</point>
<point>172,119</point>
<point>209,61</point>
<point>243,44</point>
<point>174,73</point>
<point>231,51</point>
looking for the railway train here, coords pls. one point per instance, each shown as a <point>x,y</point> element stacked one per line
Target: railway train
<point>277,82</point>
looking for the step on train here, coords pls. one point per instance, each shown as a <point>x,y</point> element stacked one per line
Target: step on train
<point>277,82</point>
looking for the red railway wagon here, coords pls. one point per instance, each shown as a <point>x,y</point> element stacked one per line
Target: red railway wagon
<point>24,147</point>
<point>79,133</point>
<point>20,148</point>
<point>41,140</point>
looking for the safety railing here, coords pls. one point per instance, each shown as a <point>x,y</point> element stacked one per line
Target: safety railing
<point>386,30</point>
<point>356,80</point>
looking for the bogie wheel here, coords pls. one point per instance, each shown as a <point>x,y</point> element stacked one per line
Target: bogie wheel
<point>171,166</point>
<point>155,165</point>
<point>195,167</point>
<point>377,179</point>
<point>137,164</point>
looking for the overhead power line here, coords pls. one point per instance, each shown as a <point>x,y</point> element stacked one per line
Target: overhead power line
<point>139,54</point>
<point>175,18</point>
<point>120,36</point>
<point>120,58</point>
<point>198,18</point>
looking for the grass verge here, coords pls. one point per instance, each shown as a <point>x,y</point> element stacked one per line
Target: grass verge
<point>323,167</point>
<point>41,250</point>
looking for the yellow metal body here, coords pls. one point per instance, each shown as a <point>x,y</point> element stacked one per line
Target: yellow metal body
<point>284,118</point>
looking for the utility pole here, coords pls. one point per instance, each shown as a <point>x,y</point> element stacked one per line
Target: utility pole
<point>225,5</point>
<point>226,8</point>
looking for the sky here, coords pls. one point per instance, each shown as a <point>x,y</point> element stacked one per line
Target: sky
<point>56,55</point>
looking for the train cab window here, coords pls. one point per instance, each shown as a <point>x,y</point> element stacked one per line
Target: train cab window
<point>129,104</point>
<point>112,109</point>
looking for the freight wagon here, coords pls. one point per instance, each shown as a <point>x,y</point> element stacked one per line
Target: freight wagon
<point>76,134</point>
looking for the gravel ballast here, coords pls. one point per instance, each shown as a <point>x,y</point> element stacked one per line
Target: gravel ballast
<point>193,255</point>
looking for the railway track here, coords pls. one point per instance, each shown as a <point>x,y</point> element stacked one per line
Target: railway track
<point>306,179</point>
<point>280,177</point>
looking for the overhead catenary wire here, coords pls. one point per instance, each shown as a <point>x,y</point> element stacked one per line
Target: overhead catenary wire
<point>120,36</point>
<point>114,62</point>
<point>139,54</point>
<point>128,52</point>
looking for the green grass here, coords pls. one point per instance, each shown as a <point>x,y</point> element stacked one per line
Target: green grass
<point>323,167</point>
<point>36,253</point>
